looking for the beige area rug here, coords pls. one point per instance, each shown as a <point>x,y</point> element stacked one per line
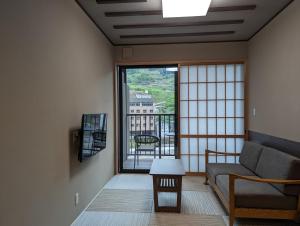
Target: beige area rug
<point>260,222</point>
<point>121,200</point>
<point>194,184</point>
<point>113,200</point>
<point>169,219</point>
<point>144,182</point>
<point>90,218</point>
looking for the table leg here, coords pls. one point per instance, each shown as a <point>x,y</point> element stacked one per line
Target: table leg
<point>155,188</point>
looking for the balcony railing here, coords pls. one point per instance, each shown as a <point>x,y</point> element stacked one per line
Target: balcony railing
<point>161,125</point>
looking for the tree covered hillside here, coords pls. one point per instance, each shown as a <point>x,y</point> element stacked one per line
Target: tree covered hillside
<point>157,82</point>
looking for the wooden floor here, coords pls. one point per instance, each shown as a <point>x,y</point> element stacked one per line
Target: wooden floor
<point>127,200</point>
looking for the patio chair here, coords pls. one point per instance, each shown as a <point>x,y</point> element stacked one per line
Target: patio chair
<point>144,144</point>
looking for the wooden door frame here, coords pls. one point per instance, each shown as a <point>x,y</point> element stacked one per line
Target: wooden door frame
<point>179,63</point>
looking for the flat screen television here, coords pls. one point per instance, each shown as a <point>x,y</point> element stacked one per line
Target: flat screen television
<point>93,135</point>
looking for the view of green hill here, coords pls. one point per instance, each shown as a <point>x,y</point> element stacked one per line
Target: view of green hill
<point>157,82</point>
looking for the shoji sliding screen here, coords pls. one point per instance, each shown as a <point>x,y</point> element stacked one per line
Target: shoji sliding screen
<point>212,103</point>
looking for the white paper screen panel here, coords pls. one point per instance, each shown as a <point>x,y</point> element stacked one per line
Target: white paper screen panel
<point>212,103</point>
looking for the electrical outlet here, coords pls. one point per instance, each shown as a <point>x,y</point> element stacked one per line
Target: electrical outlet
<point>254,112</point>
<point>76,198</point>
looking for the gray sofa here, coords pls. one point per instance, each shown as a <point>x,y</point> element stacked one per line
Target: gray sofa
<point>265,183</point>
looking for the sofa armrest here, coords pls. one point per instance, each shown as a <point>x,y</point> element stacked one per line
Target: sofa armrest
<point>233,177</point>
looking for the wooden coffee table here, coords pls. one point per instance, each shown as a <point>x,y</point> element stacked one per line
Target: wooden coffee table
<point>167,177</point>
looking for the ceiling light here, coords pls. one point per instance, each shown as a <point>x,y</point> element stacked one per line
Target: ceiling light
<point>185,8</point>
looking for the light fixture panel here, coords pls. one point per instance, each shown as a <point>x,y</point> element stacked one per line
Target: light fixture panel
<point>185,8</point>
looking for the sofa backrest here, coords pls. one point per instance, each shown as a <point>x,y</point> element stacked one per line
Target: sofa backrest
<point>250,155</point>
<point>275,164</point>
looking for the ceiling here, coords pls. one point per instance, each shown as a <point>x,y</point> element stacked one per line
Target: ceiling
<point>132,22</point>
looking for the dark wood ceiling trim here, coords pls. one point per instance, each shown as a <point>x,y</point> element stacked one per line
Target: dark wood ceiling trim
<point>232,8</point>
<point>187,24</point>
<point>118,1</point>
<point>177,35</point>
<point>159,12</point>
<point>133,13</point>
<point>269,21</point>
<point>172,43</point>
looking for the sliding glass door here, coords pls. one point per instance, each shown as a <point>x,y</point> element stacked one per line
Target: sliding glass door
<point>148,115</point>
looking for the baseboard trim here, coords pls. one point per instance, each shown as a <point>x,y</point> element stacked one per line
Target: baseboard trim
<point>87,206</point>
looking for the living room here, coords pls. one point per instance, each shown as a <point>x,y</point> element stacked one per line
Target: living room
<point>63,59</point>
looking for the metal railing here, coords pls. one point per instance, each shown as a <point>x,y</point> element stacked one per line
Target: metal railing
<point>161,125</point>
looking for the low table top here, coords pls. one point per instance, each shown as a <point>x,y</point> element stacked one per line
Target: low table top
<point>167,167</point>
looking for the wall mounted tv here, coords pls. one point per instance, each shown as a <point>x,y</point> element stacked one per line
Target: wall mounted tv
<point>93,135</point>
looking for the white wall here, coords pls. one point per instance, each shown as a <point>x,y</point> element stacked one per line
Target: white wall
<point>55,65</point>
<point>274,72</point>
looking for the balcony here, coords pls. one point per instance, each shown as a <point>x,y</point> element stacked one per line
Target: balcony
<point>162,126</point>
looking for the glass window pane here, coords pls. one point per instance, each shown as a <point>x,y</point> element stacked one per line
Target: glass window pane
<point>239,108</point>
<point>193,146</point>
<point>221,73</point>
<point>230,145</point>
<point>202,74</point>
<point>221,126</point>
<point>201,164</point>
<point>193,109</point>
<point>184,126</point>
<point>239,86</point>
<point>229,72</point>
<point>230,108</point>
<point>193,91</point>
<point>202,108</point>
<point>221,108</point>
<point>239,72</point>
<point>211,91</point>
<point>239,126</point>
<point>221,159</point>
<point>185,162</point>
<point>193,126</point>
<point>202,91</point>
<point>211,71</point>
<point>184,108</point>
<point>194,163</point>
<point>230,126</point>
<point>202,145</point>
<point>184,146</point>
<point>184,95</point>
<point>221,145</point>
<point>202,126</point>
<point>230,159</point>
<point>193,74</point>
<point>221,91</point>
<point>212,126</point>
<point>211,143</point>
<point>211,108</point>
<point>239,144</point>
<point>184,74</point>
<point>230,90</point>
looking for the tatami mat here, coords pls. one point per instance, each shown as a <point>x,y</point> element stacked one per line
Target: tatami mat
<point>127,200</point>
<point>90,218</point>
<point>113,200</point>
<point>169,219</point>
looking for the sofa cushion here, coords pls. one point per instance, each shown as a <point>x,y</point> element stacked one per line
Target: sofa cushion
<point>250,194</point>
<point>215,169</point>
<point>275,164</point>
<point>250,155</point>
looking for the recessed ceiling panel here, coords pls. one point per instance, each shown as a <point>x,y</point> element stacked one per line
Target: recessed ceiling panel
<point>127,22</point>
